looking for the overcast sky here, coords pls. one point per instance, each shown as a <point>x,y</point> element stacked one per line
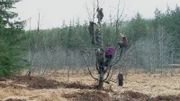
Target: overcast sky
<point>53,12</point>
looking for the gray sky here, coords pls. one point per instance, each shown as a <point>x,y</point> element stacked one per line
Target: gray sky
<point>53,12</point>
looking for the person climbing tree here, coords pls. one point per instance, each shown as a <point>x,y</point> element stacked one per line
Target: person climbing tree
<point>94,32</point>
<point>100,57</point>
<point>124,41</point>
<point>91,29</point>
<point>108,55</point>
<point>98,37</point>
<point>100,14</point>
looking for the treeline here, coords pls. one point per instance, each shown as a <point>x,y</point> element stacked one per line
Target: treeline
<point>75,36</point>
<point>153,43</point>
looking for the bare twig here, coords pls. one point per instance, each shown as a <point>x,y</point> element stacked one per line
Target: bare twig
<point>89,17</point>
<point>88,66</point>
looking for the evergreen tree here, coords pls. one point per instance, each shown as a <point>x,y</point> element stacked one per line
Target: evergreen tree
<point>137,28</point>
<point>11,36</point>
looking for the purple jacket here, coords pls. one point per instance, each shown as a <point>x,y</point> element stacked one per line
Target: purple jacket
<point>110,50</point>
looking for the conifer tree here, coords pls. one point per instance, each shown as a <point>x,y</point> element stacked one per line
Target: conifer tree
<point>11,38</point>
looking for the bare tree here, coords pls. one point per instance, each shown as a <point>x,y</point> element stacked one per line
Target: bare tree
<point>100,50</point>
<point>31,55</point>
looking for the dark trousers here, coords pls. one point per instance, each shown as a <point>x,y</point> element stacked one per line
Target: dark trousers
<point>108,60</point>
<point>122,45</point>
<point>96,38</point>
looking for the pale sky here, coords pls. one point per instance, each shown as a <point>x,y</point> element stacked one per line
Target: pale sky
<point>53,12</point>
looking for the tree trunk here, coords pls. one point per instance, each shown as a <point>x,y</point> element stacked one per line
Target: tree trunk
<point>101,78</point>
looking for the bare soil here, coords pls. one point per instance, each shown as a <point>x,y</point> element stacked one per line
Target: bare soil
<point>81,87</point>
<point>15,99</point>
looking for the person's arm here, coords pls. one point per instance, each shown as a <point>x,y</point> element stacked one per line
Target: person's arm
<point>97,9</point>
<point>121,34</point>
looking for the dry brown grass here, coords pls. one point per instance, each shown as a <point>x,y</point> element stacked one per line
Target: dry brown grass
<point>80,87</point>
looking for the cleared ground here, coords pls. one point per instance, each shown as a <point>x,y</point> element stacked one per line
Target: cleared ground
<point>79,86</point>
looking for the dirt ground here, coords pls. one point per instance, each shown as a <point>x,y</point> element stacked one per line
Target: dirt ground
<point>79,86</point>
